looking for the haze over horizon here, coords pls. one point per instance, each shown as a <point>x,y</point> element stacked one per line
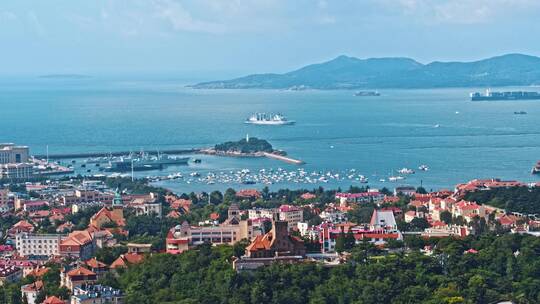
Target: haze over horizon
<point>233,38</point>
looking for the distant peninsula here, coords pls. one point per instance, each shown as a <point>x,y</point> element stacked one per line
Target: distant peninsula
<point>346,72</point>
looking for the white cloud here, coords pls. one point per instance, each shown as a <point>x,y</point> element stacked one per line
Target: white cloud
<point>7,16</point>
<point>182,20</point>
<point>462,11</point>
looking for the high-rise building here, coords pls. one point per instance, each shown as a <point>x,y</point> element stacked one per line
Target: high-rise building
<point>12,154</point>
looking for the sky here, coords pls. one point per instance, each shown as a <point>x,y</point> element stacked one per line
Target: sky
<point>236,37</point>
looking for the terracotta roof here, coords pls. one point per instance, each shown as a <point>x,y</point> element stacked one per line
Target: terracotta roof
<point>261,242</point>
<point>94,263</point>
<point>308,195</point>
<point>214,216</point>
<point>288,208</point>
<point>53,300</point>
<point>128,258</point>
<point>38,272</point>
<point>247,193</point>
<point>36,286</point>
<point>80,271</point>
<point>23,224</point>
<point>104,212</point>
<point>79,237</point>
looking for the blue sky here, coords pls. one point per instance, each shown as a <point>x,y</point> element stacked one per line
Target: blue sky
<point>234,37</point>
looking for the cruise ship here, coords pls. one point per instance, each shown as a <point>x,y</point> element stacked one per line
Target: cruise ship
<point>268,119</point>
<point>508,95</point>
<point>144,163</point>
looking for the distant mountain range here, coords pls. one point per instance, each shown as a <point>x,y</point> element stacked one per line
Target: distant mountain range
<point>346,72</point>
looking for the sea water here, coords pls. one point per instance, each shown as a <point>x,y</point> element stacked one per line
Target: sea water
<point>335,131</point>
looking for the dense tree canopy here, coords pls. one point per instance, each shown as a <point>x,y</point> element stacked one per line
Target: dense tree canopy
<point>505,268</point>
<point>516,199</point>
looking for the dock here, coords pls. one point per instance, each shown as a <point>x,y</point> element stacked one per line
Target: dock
<point>208,151</point>
<point>284,158</point>
<point>117,153</point>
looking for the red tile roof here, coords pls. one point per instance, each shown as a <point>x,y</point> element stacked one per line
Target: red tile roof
<point>53,300</point>
<point>80,271</point>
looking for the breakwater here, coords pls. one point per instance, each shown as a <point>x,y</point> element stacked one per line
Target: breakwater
<point>117,153</point>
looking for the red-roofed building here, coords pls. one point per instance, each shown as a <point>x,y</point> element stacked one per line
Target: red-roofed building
<point>124,260</point>
<point>20,227</point>
<point>53,300</point>
<point>249,193</point>
<point>181,205</point>
<point>390,199</point>
<point>508,221</point>
<point>99,268</point>
<point>214,216</point>
<point>79,244</point>
<point>308,196</point>
<point>30,291</point>
<point>77,277</point>
<point>468,210</point>
<point>275,243</point>
<point>108,215</point>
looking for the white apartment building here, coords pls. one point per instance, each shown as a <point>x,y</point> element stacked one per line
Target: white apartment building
<point>291,214</point>
<point>38,244</point>
<point>260,212</point>
<point>16,170</point>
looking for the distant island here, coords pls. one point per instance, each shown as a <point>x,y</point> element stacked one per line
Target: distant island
<point>250,147</point>
<point>64,76</point>
<point>245,145</point>
<point>346,72</point>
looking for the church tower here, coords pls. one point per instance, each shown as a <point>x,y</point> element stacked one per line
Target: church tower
<point>118,205</point>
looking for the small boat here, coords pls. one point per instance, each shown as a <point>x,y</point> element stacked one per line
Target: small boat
<point>423,168</point>
<point>395,178</point>
<point>520,113</point>
<point>367,93</point>
<point>437,126</point>
<point>406,171</point>
<point>536,168</point>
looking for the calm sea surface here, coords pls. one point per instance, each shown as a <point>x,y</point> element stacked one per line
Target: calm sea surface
<point>335,131</point>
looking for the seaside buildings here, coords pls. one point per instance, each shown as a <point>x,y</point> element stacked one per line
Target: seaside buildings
<point>14,162</point>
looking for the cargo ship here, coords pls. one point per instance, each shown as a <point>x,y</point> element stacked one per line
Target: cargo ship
<point>367,93</point>
<point>268,119</point>
<point>144,163</point>
<point>509,95</point>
